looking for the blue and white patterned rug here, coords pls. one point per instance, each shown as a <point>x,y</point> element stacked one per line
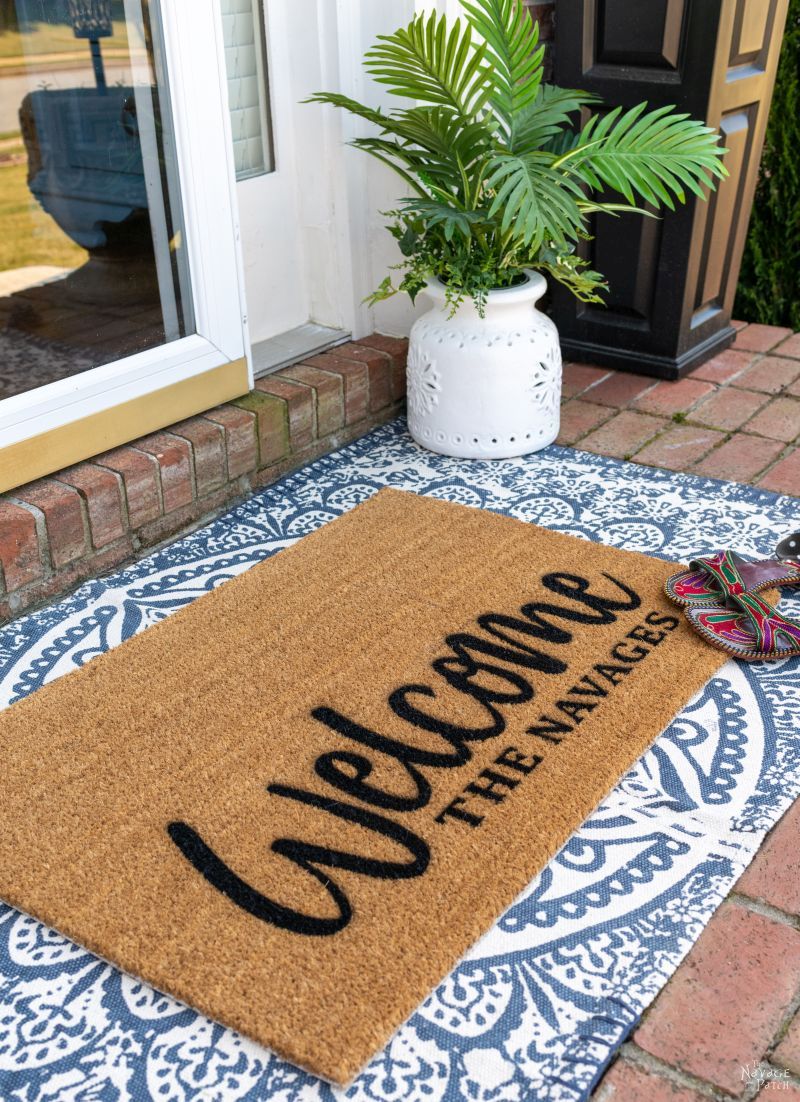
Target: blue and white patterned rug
<point>538,1007</point>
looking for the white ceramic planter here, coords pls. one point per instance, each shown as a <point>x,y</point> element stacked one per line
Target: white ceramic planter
<point>485,388</point>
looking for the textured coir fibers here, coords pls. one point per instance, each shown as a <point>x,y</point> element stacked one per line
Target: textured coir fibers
<point>295,803</point>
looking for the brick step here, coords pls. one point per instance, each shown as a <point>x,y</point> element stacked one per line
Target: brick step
<point>86,520</point>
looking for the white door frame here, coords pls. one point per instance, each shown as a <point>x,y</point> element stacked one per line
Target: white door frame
<point>195,61</point>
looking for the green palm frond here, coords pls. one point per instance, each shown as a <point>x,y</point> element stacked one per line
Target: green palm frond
<point>451,219</point>
<point>652,154</point>
<point>336,99</point>
<point>436,140</point>
<point>544,118</point>
<point>432,63</point>
<point>444,133</point>
<point>537,202</point>
<point>515,56</point>
<point>503,176</point>
<point>406,163</point>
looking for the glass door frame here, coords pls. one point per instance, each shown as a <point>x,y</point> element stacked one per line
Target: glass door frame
<point>45,429</point>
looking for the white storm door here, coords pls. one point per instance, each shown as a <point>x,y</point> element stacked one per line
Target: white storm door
<point>131,152</point>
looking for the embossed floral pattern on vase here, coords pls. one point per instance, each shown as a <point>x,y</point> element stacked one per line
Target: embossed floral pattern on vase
<point>545,388</point>
<point>485,386</point>
<point>424,381</point>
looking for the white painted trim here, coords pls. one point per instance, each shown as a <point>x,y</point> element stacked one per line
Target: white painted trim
<point>198,93</point>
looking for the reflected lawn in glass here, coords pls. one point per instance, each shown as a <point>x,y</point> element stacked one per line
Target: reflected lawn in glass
<point>92,268</point>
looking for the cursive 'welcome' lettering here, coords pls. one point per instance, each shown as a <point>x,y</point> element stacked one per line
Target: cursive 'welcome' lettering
<point>492,669</point>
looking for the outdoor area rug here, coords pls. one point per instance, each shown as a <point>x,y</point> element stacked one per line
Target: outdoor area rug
<point>538,1006</point>
<point>434,697</point>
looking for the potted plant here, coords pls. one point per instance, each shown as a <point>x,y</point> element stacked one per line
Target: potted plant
<point>502,174</point>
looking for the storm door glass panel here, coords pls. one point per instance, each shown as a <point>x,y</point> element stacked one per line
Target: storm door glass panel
<point>93,264</point>
<point>248,88</point>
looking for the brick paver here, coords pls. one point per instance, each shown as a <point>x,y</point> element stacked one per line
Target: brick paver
<point>208,452</point>
<point>740,459</point>
<point>784,477</point>
<point>774,875</point>
<point>579,417</point>
<point>19,548</point>
<point>140,479</point>
<point>329,395</point>
<point>619,389</point>
<point>101,490</point>
<point>241,445</point>
<point>724,367</point>
<point>667,399</point>
<point>771,375</point>
<point>724,1005</point>
<point>623,435</point>
<point>63,515</point>
<point>679,447</point>
<point>355,379</point>
<point>627,1083</point>
<point>787,1053</point>
<point>174,457</point>
<point>790,347</point>
<point>728,409</point>
<point>780,420</point>
<point>577,377</point>
<point>760,338</point>
<point>300,402</point>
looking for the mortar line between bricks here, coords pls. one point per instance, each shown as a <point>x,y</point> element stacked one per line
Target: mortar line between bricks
<point>192,459</point>
<point>42,537</point>
<point>787,451</point>
<point>245,489</point>
<point>783,1029</point>
<point>84,503</point>
<point>766,910</point>
<point>787,1076</point>
<point>154,463</point>
<point>643,1060</point>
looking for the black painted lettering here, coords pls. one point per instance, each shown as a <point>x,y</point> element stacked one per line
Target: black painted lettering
<point>493,788</point>
<point>623,652</point>
<point>577,589</point>
<point>641,633</point>
<point>456,810</point>
<point>550,729</point>
<point>513,759</point>
<point>451,732</point>
<point>587,686</point>
<point>611,672</point>
<point>660,620</point>
<point>575,709</point>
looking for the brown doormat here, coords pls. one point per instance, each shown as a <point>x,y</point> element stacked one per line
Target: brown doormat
<point>297,802</point>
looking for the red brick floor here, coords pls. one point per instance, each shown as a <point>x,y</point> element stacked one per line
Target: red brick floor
<point>736,417</point>
<point>727,1025</point>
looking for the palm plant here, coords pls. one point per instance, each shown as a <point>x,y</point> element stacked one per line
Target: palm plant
<point>502,173</point>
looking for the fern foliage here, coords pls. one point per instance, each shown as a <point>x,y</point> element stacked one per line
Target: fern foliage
<point>502,170</point>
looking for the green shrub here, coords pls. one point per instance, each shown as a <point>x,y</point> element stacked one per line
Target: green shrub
<point>769,282</point>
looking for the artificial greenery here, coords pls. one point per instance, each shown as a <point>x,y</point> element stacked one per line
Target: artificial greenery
<point>768,281</point>
<point>502,176</point>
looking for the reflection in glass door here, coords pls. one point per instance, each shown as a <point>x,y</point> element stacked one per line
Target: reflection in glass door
<point>93,264</point>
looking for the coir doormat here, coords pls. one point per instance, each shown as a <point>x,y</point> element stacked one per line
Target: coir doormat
<point>296,803</point>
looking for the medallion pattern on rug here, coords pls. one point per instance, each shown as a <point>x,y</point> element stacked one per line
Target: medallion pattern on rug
<point>537,1008</point>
